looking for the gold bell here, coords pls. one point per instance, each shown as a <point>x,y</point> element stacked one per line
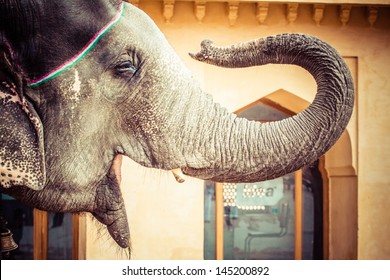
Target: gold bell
<point>7,242</point>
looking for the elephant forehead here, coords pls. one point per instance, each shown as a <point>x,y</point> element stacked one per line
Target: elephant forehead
<point>136,29</point>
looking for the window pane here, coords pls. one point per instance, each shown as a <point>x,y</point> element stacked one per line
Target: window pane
<point>60,236</point>
<point>20,221</point>
<point>308,221</point>
<point>259,220</point>
<point>312,213</point>
<point>209,221</point>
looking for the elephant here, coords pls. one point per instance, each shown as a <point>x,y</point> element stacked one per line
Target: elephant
<point>84,83</point>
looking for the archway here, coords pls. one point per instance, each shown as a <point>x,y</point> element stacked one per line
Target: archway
<point>340,186</point>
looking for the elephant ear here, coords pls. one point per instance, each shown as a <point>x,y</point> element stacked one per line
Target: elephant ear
<point>21,132</point>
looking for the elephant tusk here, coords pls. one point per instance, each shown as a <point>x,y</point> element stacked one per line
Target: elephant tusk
<point>179,176</point>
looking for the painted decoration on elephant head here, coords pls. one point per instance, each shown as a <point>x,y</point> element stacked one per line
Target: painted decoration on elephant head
<point>253,196</point>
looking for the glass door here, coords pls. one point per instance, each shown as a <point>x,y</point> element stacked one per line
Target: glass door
<point>277,219</point>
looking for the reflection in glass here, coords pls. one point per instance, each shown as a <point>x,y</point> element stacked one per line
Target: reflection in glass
<point>209,221</point>
<point>20,222</point>
<point>259,220</point>
<point>60,236</point>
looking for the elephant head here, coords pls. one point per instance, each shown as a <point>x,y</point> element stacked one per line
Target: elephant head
<point>86,82</point>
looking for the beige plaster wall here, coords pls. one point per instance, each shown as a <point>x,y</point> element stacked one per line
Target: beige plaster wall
<point>166,218</point>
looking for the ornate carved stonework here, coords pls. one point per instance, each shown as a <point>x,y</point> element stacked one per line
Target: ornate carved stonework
<point>292,12</point>
<point>345,13</point>
<point>262,11</point>
<point>372,15</point>
<point>200,10</point>
<point>168,10</point>
<point>233,12</point>
<point>318,13</point>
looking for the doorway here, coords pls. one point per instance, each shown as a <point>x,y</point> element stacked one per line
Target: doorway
<point>277,219</point>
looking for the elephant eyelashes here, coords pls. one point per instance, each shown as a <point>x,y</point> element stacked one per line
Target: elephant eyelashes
<point>125,68</point>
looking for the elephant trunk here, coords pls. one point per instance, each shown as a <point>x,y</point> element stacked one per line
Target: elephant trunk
<point>261,151</point>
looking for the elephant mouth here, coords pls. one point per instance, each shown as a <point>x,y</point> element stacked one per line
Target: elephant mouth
<point>109,204</point>
<point>116,166</point>
<point>110,207</point>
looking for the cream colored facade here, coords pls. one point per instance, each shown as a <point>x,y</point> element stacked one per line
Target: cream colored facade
<point>166,218</point>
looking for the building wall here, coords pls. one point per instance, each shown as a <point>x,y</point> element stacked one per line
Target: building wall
<point>166,218</point>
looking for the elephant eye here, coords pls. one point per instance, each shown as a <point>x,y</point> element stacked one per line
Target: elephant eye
<point>125,68</point>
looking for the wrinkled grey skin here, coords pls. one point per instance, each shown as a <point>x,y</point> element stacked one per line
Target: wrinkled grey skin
<point>155,113</point>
